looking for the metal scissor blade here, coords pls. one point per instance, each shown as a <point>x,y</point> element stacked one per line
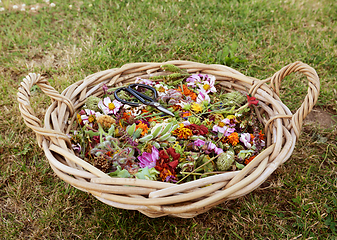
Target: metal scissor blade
<point>164,110</point>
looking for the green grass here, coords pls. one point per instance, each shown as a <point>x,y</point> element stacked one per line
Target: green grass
<point>255,37</point>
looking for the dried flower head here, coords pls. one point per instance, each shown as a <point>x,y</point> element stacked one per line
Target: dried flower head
<point>102,163</point>
<point>106,121</point>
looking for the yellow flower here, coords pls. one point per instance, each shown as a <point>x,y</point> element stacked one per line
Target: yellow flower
<point>79,119</point>
<point>182,132</point>
<point>196,107</point>
<point>91,118</point>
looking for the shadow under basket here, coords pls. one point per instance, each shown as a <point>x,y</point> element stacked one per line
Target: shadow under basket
<point>155,198</point>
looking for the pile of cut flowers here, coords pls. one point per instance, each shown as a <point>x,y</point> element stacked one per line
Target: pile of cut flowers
<point>212,131</point>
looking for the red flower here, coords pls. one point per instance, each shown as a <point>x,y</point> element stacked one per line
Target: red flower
<point>167,163</point>
<point>173,164</point>
<point>252,100</point>
<point>173,153</point>
<point>197,130</point>
<point>163,155</point>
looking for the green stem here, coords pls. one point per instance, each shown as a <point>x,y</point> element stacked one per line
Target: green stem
<point>242,107</point>
<point>152,115</point>
<point>210,160</point>
<point>200,174</point>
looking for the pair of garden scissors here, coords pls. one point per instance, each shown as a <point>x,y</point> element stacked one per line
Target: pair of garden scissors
<point>151,101</point>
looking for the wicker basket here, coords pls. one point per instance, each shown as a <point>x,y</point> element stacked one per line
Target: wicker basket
<point>154,198</point>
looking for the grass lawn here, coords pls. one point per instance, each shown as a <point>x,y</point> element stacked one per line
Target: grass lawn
<point>68,40</point>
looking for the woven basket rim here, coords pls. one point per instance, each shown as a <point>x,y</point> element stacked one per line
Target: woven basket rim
<point>154,198</point>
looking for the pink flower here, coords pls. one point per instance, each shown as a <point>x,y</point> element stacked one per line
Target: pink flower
<point>245,139</point>
<point>109,107</point>
<point>207,85</point>
<point>88,116</point>
<point>149,159</point>
<point>144,81</point>
<point>213,147</point>
<point>194,79</point>
<point>203,96</point>
<point>105,88</point>
<point>191,80</point>
<point>171,96</point>
<point>222,128</point>
<point>199,143</point>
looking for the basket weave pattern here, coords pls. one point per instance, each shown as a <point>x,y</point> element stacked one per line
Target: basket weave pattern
<point>154,198</point>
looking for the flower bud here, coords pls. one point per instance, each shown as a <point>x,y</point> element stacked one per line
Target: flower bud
<point>92,103</point>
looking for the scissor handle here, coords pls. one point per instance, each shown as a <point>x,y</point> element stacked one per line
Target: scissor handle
<point>141,97</point>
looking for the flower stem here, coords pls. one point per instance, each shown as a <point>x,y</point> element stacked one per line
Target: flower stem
<point>201,174</point>
<point>152,115</point>
<point>210,160</point>
<point>242,107</point>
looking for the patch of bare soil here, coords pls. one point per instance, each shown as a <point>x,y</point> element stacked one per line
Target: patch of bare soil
<point>320,117</point>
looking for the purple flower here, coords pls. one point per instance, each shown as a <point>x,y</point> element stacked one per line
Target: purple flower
<point>149,159</point>
<point>245,139</point>
<point>199,143</point>
<point>171,178</point>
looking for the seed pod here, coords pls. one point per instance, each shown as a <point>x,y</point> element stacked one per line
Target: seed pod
<point>146,138</point>
<point>166,129</point>
<point>196,137</point>
<point>171,139</point>
<point>157,145</point>
<point>165,137</point>
<point>225,160</point>
<point>156,131</point>
<point>131,129</point>
<point>174,127</point>
<point>137,133</point>
<point>111,130</point>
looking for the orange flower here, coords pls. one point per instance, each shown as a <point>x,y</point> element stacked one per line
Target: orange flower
<point>261,135</point>
<point>248,160</point>
<point>233,138</point>
<point>126,116</point>
<point>252,137</point>
<point>176,107</point>
<point>187,92</point>
<point>142,126</point>
<point>182,132</point>
<point>186,114</point>
<point>166,173</point>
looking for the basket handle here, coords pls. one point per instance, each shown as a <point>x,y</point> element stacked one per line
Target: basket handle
<point>27,112</point>
<point>310,99</point>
